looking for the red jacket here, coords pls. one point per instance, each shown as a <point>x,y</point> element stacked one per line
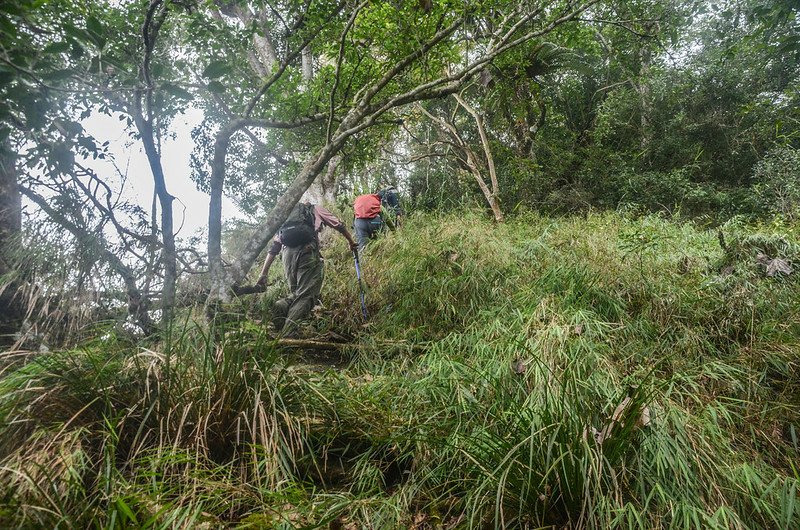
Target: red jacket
<point>367,206</point>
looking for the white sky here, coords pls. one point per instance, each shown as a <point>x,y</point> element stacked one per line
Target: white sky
<point>175,160</point>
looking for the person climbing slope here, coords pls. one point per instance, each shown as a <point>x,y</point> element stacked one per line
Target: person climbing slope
<point>371,217</point>
<point>390,201</point>
<point>302,263</point>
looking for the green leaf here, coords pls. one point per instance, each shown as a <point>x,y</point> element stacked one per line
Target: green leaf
<point>58,75</point>
<point>96,31</point>
<point>126,511</point>
<point>216,69</point>
<point>19,92</point>
<point>6,78</point>
<point>216,87</point>
<point>72,127</point>
<point>78,34</point>
<point>176,91</point>
<point>8,27</point>
<point>77,50</point>
<point>87,143</point>
<point>790,44</point>
<point>94,25</point>
<point>22,57</point>
<point>56,47</point>
<point>119,65</point>
<point>34,114</point>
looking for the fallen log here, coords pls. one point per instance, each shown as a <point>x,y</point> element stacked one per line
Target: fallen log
<point>311,344</point>
<point>308,344</point>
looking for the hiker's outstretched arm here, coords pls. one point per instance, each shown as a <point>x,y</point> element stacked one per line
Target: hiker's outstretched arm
<point>328,219</point>
<point>346,233</point>
<point>262,278</point>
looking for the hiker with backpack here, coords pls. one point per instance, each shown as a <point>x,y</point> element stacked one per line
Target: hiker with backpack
<point>390,200</point>
<point>371,217</point>
<point>302,263</point>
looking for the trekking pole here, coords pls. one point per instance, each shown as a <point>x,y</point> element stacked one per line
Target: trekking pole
<point>360,286</point>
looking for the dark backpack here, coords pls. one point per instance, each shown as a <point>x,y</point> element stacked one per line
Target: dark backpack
<point>298,229</point>
<point>390,199</point>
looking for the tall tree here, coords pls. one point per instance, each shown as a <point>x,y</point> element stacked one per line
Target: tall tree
<point>374,69</point>
<point>11,312</point>
<point>67,62</point>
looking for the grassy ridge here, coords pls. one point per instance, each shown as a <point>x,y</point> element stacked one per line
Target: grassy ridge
<point>587,372</point>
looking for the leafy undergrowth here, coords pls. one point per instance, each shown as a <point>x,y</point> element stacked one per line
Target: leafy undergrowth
<point>599,372</point>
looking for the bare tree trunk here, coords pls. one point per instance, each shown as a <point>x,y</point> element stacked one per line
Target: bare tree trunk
<point>223,278</point>
<point>143,114</point>
<point>11,313</point>
<point>266,52</point>
<point>169,258</point>
<point>493,197</point>
<point>308,64</point>
<point>10,204</point>
<point>263,56</point>
<point>471,162</point>
<point>643,88</point>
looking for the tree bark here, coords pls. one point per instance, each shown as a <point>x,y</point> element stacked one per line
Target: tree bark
<point>471,163</point>
<point>493,197</point>
<point>263,56</point>
<point>143,114</point>
<point>169,256</point>
<point>310,344</point>
<point>323,190</point>
<point>643,88</point>
<point>10,205</point>
<point>308,64</point>
<point>11,312</point>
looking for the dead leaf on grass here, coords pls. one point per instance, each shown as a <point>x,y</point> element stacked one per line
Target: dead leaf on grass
<point>774,266</point>
<point>518,366</point>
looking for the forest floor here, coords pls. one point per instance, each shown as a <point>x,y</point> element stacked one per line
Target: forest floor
<point>603,371</point>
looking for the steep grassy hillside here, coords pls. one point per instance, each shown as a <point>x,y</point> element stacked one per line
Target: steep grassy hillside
<point>590,372</point>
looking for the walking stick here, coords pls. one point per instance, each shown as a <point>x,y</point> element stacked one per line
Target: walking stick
<point>360,286</point>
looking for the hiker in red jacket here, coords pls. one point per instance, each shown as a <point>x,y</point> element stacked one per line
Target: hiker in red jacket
<point>368,219</point>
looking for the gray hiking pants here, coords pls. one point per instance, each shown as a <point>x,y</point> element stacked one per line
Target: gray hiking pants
<point>367,229</point>
<point>303,268</point>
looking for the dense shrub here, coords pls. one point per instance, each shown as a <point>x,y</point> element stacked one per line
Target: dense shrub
<point>777,182</point>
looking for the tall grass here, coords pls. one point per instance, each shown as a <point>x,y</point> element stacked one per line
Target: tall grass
<point>598,372</point>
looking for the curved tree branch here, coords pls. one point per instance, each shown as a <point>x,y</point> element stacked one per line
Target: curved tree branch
<point>137,304</point>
